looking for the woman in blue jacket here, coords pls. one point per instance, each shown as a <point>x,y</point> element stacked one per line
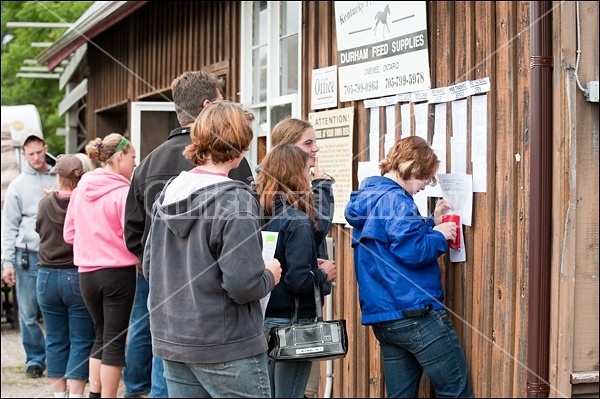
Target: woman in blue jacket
<point>395,260</point>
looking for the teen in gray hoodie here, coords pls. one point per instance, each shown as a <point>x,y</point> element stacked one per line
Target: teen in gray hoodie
<point>203,260</point>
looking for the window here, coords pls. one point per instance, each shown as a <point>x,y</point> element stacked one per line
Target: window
<point>270,66</point>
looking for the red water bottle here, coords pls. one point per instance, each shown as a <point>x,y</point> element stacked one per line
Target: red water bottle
<point>453,217</point>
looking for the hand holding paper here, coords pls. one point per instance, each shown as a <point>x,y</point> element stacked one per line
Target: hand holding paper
<point>442,207</point>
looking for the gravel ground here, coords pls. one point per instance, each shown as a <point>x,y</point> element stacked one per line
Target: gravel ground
<point>14,382</point>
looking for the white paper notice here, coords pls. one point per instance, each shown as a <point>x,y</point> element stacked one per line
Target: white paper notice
<point>459,118</point>
<point>458,154</point>
<point>435,191</point>
<point>457,188</point>
<point>438,143</point>
<point>459,255</point>
<point>374,135</point>
<point>390,131</point>
<point>479,143</point>
<point>421,117</point>
<point>420,199</point>
<point>269,239</point>
<point>334,132</point>
<point>406,123</point>
<point>367,169</point>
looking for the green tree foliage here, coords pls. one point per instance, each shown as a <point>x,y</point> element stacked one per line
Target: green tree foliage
<point>16,47</point>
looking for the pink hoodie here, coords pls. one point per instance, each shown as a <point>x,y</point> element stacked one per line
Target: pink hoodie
<point>94,222</point>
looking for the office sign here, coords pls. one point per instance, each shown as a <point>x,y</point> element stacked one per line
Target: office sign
<point>324,88</point>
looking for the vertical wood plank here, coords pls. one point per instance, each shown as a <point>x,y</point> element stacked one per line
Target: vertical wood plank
<point>484,217</point>
<point>504,273</point>
<point>521,214</point>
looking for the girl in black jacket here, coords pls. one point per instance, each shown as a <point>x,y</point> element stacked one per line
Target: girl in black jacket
<point>286,197</point>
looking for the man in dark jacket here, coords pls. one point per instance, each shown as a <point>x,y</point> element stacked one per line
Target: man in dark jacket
<point>192,91</point>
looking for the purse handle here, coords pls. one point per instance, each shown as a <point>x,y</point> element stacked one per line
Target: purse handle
<point>318,304</point>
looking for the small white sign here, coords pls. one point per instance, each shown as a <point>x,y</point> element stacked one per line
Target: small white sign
<point>324,88</point>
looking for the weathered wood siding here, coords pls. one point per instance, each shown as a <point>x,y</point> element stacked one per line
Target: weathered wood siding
<point>574,338</point>
<point>138,58</point>
<point>487,294</point>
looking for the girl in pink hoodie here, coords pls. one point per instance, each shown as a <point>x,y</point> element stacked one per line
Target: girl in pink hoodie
<point>107,270</point>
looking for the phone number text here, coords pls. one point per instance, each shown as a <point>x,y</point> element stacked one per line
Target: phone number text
<point>404,80</point>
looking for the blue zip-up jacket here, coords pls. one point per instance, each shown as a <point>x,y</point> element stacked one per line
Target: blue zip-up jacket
<point>395,252</point>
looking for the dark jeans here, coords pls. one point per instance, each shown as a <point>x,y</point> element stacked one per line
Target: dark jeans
<point>430,343</point>
<point>137,375</point>
<point>143,373</point>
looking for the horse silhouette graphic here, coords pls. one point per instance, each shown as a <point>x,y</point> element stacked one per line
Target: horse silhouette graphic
<point>381,17</point>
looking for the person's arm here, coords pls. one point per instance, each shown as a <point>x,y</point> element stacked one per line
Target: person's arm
<point>245,278</point>
<point>413,242</point>
<point>69,228</point>
<point>301,257</point>
<point>148,249</point>
<point>12,215</point>
<point>323,196</point>
<point>135,218</point>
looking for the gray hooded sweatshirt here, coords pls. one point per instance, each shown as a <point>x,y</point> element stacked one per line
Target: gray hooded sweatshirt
<point>20,211</point>
<point>203,260</point>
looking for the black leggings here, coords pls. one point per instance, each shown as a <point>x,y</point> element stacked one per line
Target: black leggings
<point>109,294</point>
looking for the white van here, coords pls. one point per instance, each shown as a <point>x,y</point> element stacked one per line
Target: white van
<point>18,119</point>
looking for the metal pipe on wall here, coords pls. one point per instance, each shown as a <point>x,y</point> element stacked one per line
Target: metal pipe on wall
<point>540,225</point>
<point>329,316</point>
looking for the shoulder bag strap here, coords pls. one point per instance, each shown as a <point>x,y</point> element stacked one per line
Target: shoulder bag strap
<point>295,310</point>
<point>317,292</point>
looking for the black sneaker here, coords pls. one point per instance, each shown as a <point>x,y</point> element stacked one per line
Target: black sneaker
<point>34,371</point>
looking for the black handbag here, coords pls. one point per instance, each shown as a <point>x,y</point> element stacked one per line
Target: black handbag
<point>320,340</point>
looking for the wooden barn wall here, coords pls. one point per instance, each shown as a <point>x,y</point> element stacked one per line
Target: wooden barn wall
<point>487,294</point>
<point>575,262</point>
<point>138,58</point>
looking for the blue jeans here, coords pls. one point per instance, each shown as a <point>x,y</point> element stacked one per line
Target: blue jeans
<point>137,375</point>
<point>288,379</point>
<point>243,378</point>
<point>159,383</point>
<point>31,331</point>
<point>411,345</point>
<point>69,327</point>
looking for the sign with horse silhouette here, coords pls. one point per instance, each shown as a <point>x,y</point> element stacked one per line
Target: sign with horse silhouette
<point>382,48</point>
